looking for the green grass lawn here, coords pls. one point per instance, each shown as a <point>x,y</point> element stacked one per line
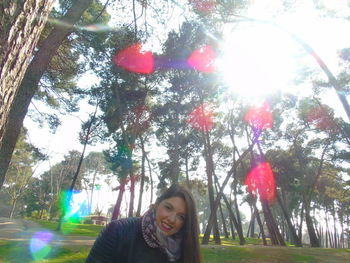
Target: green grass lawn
<point>71,228</point>
<point>19,252</point>
<point>235,242</point>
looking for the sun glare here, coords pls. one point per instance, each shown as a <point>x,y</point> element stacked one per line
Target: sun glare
<point>259,58</point>
<point>256,60</point>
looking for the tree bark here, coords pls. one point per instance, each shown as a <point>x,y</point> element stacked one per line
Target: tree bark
<point>295,239</point>
<point>258,219</point>
<point>219,195</point>
<point>250,231</point>
<point>92,191</point>
<point>300,230</point>
<point>210,174</point>
<point>132,195</point>
<point>21,23</point>
<point>142,181</point>
<point>13,206</point>
<point>150,178</point>
<point>223,221</point>
<point>17,102</point>
<point>314,242</point>
<point>276,237</point>
<point>235,222</point>
<point>116,210</point>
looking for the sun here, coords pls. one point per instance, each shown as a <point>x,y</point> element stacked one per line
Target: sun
<point>261,56</point>
<point>256,60</point>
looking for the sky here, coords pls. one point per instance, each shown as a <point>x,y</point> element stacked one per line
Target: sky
<point>252,47</point>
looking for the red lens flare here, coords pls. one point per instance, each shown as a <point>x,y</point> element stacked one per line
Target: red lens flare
<point>261,180</point>
<point>201,118</point>
<point>259,117</point>
<point>202,59</point>
<point>140,118</point>
<point>204,6</point>
<point>135,59</point>
<point>321,118</point>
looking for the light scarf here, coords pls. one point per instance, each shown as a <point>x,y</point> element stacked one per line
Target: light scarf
<point>154,237</point>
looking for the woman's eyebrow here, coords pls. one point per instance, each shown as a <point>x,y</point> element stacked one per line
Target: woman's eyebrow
<point>169,204</point>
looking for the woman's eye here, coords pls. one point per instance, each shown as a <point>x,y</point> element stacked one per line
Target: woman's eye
<point>182,218</point>
<point>167,207</point>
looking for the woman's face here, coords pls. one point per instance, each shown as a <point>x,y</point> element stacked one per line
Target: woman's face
<point>170,215</point>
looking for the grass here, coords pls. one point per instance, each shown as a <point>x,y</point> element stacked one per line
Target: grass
<point>72,229</point>
<point>229,252</point>
<point>233,242</point>
<point>20,252</point>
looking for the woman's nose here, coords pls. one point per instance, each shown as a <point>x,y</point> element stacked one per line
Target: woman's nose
<point>172,218</point>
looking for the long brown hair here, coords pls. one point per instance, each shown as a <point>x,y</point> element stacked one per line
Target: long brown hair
<point>190,244</point>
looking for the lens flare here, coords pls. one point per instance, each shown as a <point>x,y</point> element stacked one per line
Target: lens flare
<point>39,245</point>
<point>261,181</point>
<point>135,59</point>
<point>259,117</point>
<point>140,118</point>
<point>203,6</point>
<point>97,28</point>
<point>322,119</point>
<point>201,118</point>
<point>166,63</point>
<point>203,59</point>
<point>74,206</point>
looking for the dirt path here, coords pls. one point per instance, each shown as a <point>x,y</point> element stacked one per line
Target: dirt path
<point>25,230</point>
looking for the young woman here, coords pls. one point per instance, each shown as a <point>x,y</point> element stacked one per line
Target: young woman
<point>167,232</point>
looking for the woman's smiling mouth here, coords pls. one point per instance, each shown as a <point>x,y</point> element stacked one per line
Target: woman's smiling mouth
<point>166,227</point>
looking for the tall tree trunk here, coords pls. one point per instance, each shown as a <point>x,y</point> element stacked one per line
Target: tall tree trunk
<point>13,206</point>
<point>187,174</point>
<point>348,231</point>
<point>238,228</point>
<point>250,232</point>
<point>210,173</point>
<point>321,236</point>
<point>342,241</point>
<point>220,210</point>
<point>327,228</point>
<point>41,213</point>
<point>258,219</point>
<point>142,181</point>
<point>233,235</point>
<point>249,226</point>
<point>18,100</point>
<point>92,191</point>
<point>336,245</point>
<point>21,23</point>
<point>314,242</point>
<point>295,239</point>
<point>300,230</point>
<point>116,210</point>
<point>235,203</point>
<point>223,221</point>
<point>86,139</point>
<point>150,178</point>
<point>219,195</point>
<point>228,206</point>
<point>275,234</point>
<point>132,195</point>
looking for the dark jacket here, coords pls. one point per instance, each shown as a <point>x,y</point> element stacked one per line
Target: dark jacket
<point>122,242</point>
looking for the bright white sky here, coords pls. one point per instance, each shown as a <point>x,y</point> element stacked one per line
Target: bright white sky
<point>256,59</point>
<point>259,59</point>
